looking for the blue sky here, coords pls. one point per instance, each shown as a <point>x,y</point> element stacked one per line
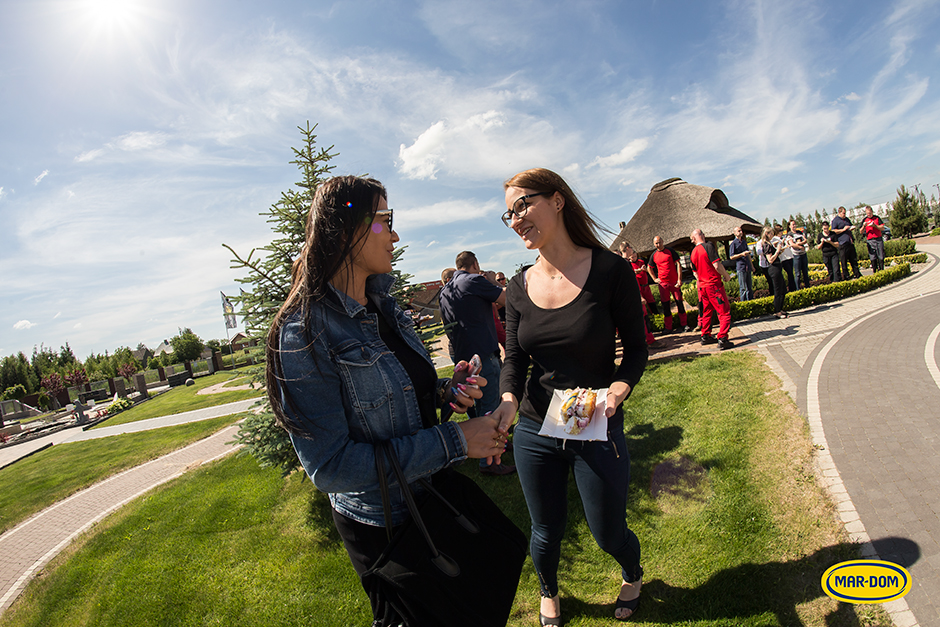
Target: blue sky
<point>139,136</point>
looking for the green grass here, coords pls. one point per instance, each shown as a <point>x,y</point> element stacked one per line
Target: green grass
<point>740,536</point>
<point>181,399</point>
<point>32,484</point>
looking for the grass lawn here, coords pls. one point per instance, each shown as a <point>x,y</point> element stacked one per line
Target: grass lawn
<point>34,483</point>
<point>734,530</point>
<point>181,399</point>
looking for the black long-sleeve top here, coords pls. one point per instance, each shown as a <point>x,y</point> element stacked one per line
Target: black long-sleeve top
<point>574,345</point>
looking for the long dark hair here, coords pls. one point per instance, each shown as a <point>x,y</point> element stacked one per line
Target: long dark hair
<point>581,226</point>
<point>341,207</point>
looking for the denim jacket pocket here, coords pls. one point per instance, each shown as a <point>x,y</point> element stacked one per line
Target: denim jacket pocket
<point>368,386</point>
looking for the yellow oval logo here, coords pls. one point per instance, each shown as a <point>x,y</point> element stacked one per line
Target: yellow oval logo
<point>866,581</point>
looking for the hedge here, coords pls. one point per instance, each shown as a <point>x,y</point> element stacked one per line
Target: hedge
<point>800,299</point>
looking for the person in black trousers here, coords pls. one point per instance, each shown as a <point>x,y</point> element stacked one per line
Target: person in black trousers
<point>771,253</point>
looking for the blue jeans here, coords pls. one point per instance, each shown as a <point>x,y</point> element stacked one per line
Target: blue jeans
<point>801,270</point>
<point>490,399</point>
<point>602,474</point>
<point>745,284</point>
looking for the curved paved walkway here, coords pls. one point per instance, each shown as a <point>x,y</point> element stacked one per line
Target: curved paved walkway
<point>26,548</point>
<point>863,371</point>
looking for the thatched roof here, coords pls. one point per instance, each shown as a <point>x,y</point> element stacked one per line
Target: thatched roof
<point>674,209</point>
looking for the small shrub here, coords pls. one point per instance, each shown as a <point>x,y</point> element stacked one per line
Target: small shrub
<point>120,405</point>
<point>14,392</point>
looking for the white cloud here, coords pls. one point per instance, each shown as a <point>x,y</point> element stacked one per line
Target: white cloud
<point>57,315</point>
<point>784,190</point>
<point>629,153</point>
<point>23,325</point>
<point>433,242</point>
<point>90,155</point>
<point>139,140</point>
<point>852,97</point>
<point>489,145</point>
<point>78,325</point>
<point>40,177</point>
<point>2,192</point>
<point>422,159</point>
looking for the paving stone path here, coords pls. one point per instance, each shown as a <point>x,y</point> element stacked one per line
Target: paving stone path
<point>863,371</point>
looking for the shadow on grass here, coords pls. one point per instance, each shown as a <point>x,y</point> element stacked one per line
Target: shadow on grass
<point>320,517</point>
<point>752,590</point>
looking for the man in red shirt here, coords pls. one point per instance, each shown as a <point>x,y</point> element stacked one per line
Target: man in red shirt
<point>711,274</point>
<point>646,296</point>
<point>668,276</point>
<point>874,228</point>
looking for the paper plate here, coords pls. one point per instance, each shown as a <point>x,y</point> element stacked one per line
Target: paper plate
<point>554,426</point>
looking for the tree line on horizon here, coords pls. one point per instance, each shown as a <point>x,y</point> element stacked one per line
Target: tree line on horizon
<point>48,371</point>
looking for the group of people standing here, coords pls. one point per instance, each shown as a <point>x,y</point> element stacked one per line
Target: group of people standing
<point>346,371</point>
<point>837,244</point>
<point>783,252</point>
<point>665,270</point>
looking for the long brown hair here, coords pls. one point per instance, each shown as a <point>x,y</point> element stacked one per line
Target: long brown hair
<point>581,226</point>
<point>341,207</point>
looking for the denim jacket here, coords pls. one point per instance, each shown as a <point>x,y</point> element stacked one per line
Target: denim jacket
<point>346,391</point>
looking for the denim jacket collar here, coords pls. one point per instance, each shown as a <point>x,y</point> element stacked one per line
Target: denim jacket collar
<point>378,284</point>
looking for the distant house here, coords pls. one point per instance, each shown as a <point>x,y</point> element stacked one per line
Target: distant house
<point>163,348</point>
<point>241,341</point>
<point>143,356</point>
<point>424,301</point>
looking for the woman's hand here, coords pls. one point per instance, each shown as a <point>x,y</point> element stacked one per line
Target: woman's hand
<point>505,413</point>
<point>617,391</point>
<point>465,390</point>
<point>483,440</point>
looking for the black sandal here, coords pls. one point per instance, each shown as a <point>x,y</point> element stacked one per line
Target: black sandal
<point>631,605</point>
<point>546,621</point>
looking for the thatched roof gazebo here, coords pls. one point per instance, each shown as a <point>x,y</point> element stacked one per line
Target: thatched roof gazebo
<point>674,209</point>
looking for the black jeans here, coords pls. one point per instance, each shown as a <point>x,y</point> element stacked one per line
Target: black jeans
<point>832,266</point>
<point>788,268</point>
<point>775,276</point>
<point>848,255</point>
<point>602,473</point>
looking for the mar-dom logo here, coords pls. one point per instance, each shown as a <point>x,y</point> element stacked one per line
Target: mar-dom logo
<point>866,581</point>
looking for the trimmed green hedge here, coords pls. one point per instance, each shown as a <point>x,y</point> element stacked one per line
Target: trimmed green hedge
<point>918,258</point>
<point>800,299</point>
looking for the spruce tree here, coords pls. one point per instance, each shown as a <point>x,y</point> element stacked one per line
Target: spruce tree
<point>907,215</point>
<point>267,283</point>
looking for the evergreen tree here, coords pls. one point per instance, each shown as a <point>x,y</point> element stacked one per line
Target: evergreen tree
<point>269,267</point>
<point>267,284</point>
<point>907,216</point>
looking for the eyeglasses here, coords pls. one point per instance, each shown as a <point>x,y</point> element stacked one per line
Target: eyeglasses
<point>380,214</point>
<point>520,207</point>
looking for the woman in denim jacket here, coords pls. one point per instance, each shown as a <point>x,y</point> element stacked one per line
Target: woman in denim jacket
<point>346,370</point>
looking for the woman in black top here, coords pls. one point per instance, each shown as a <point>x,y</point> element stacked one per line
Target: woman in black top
<point>771,252</point>
<point>562,316</point>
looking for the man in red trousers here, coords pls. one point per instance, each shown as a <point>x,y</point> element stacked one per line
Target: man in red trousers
<point>711,274</point>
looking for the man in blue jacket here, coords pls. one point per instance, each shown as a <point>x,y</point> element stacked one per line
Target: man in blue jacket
<point>467,302</point>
